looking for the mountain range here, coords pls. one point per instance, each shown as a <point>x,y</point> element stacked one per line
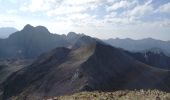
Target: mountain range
<point>6,31</point>
<point>153,57</point>
<point>47,65</point>
<point>140,45</point>
<point>89,65</point>
<point>31,41</point>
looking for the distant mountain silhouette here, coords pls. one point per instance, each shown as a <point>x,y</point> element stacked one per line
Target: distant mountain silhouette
<point>73,37</point>
<point>31,41</point>
<point>138,45</point>
<point>6,31</point>
<point>89,65</point>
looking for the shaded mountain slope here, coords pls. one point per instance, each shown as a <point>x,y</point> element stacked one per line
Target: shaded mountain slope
<point>154,57</point>
<point>89,65</point>
<point>30,42</point>
<point>8,67</point>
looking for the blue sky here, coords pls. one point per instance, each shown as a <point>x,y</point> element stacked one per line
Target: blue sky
<point>100,18</point>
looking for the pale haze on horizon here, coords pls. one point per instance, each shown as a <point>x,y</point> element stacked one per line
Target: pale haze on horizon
<point>103,19</point>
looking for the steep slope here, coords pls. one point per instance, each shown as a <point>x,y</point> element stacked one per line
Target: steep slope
<point>8,67</point>
<point>154,57</point>
<point>89,65</point>
<point>138,45</point>
<point>6,31</point>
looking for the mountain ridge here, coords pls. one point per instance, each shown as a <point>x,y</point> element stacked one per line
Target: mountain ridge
<point>139,45</point>
<point>31,41</point>
<point>6,31</point>
<point>90,65</point>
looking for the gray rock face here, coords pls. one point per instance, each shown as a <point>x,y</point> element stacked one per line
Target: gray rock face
<point>89,65</point>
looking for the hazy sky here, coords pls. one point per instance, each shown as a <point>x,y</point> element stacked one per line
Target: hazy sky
<point>101,18</point>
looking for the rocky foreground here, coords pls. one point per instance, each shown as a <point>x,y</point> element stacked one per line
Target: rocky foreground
<point>118,95</point>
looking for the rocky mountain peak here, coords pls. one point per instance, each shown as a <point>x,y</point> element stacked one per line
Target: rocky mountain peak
<point>28,27</point>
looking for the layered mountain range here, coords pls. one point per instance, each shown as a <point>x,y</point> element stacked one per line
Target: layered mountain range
<point>140,45</point>
<point>6,31</point>
<point>89,65</point>
<point>75,63</point>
